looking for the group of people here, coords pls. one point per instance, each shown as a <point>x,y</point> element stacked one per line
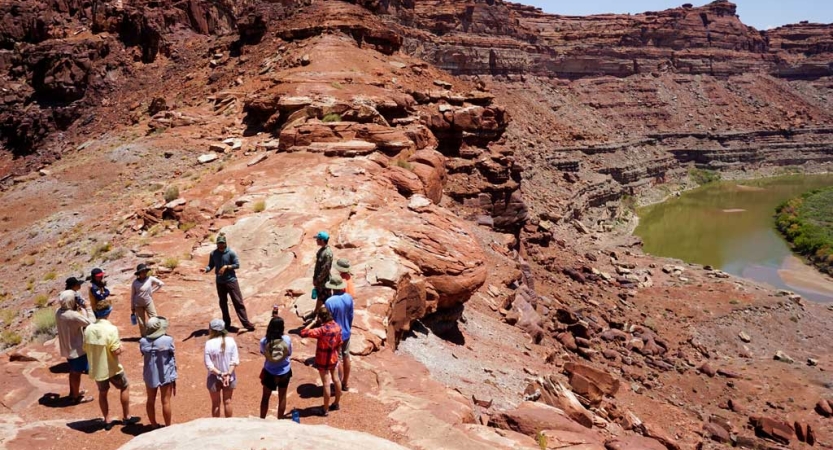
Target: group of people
<point>91,343</point>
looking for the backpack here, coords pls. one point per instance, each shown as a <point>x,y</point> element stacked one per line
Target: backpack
<point>277,351</point>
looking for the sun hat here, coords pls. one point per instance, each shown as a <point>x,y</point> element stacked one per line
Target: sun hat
<point>217,325</point>
<point>336,283</point>
<point>72,281</point>
<point>221,239</point>
<point>156,327</point>
<point>67,299</point>
<point>103,311</point>
<point>141,268</point>
<point>343,266</point>
<point>323,235</point>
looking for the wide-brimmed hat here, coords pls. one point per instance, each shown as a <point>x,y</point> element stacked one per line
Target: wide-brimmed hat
<point>343,266</point>
<point>72,281</point>
<point>336,283</point>
<point>141,268</point>
<point>156,327</point>
<point>67,299</point>
<point>217,325</point>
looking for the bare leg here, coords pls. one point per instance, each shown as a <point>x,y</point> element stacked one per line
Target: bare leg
<point>264,401</point>
<point>74,384</point>
<point>167,393</point>
<point>282,402</point>
<point>105,407</point>
<point>125,403</point>
<point>150,406</point>
<point>346,362</point>
<point>215,403</point>
<point>337,384</point>
<point>325,383</point>
<point>227,393</point>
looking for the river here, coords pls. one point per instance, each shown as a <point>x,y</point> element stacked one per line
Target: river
<point>730,225</point>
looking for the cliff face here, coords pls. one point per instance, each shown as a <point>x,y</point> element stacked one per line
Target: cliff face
<point>494,38</point>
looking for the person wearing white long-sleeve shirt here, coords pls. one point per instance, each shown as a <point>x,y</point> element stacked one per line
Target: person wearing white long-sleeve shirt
<point>221,359</point>
<point>141,296</point>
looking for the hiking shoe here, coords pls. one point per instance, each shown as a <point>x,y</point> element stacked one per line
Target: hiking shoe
<point>130,420</point>
<point>250,328</point>
<point>323,412</point>
<point>344,388</point>
<point>335,407</point>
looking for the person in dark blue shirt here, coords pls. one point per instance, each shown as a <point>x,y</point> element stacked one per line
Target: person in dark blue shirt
<point>224,262</point>
<point>340,305</point>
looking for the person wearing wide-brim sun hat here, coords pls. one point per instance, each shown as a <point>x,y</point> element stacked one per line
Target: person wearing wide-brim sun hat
<point>343,268</point>
<point>160,368</point>
<point>141,296</point>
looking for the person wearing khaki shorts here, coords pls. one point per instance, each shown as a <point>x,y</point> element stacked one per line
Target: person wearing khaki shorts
<point>103,347</point>
<point>141,296</point>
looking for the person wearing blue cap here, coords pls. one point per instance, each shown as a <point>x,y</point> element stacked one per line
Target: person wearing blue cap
<point>323,265</point>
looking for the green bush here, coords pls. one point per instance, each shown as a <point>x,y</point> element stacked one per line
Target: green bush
<point>403,164</point>
<point>807,223</point>
<point>702,176</point>
<point>332,117</point>
<point>50,276</point>
<point>259,206</point>
<point>44,320</point>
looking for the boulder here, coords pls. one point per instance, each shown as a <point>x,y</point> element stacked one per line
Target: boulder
<point>236,433</point>
<point>634,443</point>
<point>530,418</point>
<point>568,440</point>
<point>590,382</point>
<point>405,181</point>
<point>779,431</point>
<point>824,408</point>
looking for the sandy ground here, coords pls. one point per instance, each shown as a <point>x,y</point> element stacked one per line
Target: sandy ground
<point>798,275</point>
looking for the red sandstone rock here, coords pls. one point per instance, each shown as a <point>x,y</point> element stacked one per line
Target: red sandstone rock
<point>591,382</point>
<point>716,433</point>
<point>634,443</point>
<point>776,430</point>
<point>823,407</point>
<point>531,418</point>
<point>707,369</point>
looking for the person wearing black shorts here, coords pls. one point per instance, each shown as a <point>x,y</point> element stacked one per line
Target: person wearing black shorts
<point>276,347</point>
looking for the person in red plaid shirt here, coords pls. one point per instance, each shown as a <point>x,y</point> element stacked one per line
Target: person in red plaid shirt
<point>326,355</point>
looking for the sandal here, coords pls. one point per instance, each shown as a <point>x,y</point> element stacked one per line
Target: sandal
<point>82,399</point>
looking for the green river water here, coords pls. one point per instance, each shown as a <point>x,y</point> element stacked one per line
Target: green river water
<point>730,225</point>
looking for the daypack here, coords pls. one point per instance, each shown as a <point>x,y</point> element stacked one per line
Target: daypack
<point>277,351</point>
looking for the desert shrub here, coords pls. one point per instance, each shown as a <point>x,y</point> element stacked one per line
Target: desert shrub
<point>171,262</point>
<point>7,315</point>
<point>702,176</point>
<point>403,164</point>
<point>332,117</point>
<point>172,193</point>
<point>185,227</point>
<point>41,300</point>
<point>100,250</point>
<point>44,321</point>
<point>51,275</point>
<point>259,206</point>
<point>9,338</point>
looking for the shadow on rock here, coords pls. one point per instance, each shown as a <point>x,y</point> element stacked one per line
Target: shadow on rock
<point>312,411</point>
<point>309,390</point>
<point>87,426</point>
<point>53,400</point>
<point>137,429</point>
<point>60,368</point>
<point>197,333</point>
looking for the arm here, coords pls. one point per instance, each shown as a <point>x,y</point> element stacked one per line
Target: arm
<point>93,301</point>
<point>78,319</point>
<point>235,357</point>
<point>115,347</point>
<point>156,284</point>
<point>313,333</point>
<point>133,295</point>
<point>235,261</point>
<point>210,262</point>
<point>208,364</point>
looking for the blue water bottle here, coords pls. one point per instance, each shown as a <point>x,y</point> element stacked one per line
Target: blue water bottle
<point>133,319</point>
<point>296,416</point>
